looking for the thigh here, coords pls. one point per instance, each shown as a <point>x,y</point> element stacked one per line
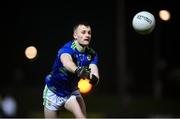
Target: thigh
<point>80,101</point>
<point>52,103</point>
<point>82,104</point>
<point>73,106</point>
<point>49,113</point>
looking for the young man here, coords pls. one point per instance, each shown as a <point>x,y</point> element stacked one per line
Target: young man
<point>75,60</point>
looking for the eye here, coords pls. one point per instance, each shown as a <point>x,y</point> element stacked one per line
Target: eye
<point>89,32</point>
<point>83,32</point>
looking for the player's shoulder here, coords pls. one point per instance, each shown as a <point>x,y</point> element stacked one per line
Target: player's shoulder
<point>69,45</point>
<point>66,48</point>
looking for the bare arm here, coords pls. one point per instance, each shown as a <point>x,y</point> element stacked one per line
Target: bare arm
<point>94,70</point>
<point>68,63</point>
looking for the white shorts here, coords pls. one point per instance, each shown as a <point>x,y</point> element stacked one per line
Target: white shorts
<point>54,102</point>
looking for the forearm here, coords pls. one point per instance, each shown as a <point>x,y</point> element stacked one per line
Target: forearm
<point>94,70</point>
<point>68,62</point>
<point>94,77</point>
<point>70,66</point>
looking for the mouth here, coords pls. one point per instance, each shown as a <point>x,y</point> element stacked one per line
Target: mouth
<point>87,39</point>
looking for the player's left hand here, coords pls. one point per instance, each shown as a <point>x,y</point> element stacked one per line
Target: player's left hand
<point>94,80</point>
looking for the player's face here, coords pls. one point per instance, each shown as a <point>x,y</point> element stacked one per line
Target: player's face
<point>83,35</point>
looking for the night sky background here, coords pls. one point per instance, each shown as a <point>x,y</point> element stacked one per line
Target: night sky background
<point>152,61</point>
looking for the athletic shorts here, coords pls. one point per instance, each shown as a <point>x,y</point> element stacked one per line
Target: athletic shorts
<point>54,102</point>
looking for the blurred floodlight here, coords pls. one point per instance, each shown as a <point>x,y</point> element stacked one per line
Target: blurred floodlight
<point>164,15</point>
<point>84,86</point>
<point>31,52</point>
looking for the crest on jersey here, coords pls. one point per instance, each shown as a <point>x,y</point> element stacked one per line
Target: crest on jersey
<point>89,57</point>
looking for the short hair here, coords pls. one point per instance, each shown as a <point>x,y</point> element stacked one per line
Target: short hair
<point>80,23</point>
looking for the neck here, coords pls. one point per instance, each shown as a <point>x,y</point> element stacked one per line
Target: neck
<point>80,47</point>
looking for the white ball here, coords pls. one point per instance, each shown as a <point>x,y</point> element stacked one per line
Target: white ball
<point>143,22</point>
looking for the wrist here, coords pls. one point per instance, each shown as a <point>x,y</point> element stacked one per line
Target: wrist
<point>94,80</point>
<point>76,71</point>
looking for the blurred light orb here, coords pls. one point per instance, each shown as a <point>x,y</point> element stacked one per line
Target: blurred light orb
<point>31,52</point>
<point>164,15</point>
<point>84,86</point>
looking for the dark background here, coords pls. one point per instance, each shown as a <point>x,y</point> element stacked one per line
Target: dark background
<point>152,61</point>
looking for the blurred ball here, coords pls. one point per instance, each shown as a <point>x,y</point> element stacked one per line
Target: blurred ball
<point>143,22</point>
<point>84,86</point>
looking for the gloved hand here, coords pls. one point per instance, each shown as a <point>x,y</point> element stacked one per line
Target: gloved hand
<point>94,80</point>
<point>83,72</point>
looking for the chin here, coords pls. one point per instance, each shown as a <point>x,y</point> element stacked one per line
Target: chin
<point>85,44</point>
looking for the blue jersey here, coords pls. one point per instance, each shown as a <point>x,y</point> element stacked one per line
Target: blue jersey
<point>60,80</point>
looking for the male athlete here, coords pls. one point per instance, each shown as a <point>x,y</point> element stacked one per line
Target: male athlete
<point>75,60</point>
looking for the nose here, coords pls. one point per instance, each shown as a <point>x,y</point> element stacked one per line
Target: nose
<point>88,35</point>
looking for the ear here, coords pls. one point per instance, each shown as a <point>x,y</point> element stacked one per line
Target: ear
<point>75,35</point>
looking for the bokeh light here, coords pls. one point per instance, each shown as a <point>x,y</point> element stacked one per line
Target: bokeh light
<point>164,15</point>
<point>31,52</point>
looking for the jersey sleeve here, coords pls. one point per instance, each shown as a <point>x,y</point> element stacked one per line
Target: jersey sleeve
<point>95,59</point>
<point>65,50</point>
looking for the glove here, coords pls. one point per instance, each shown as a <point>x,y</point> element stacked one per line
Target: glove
<point>83,72</point>
<point>94,80</point>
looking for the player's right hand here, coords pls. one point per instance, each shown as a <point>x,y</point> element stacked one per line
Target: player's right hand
<point>83,72</point>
